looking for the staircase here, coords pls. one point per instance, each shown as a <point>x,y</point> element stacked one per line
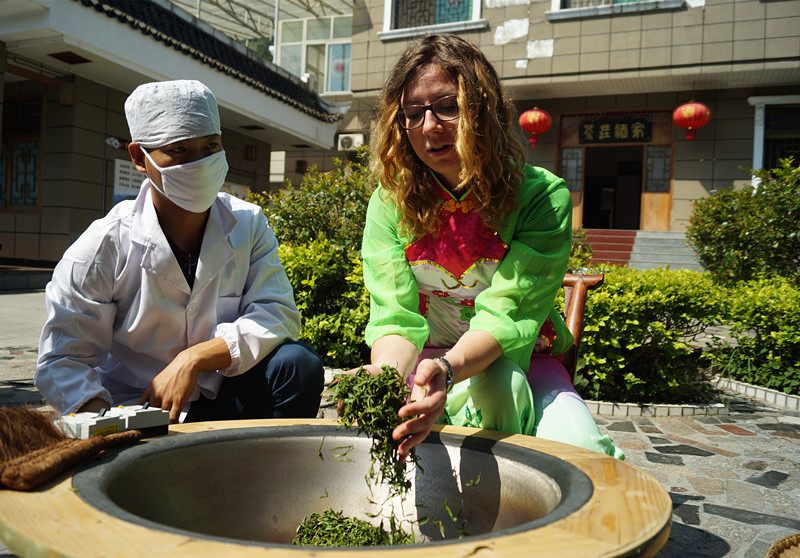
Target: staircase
<point>654,249</point>
<point>610,245</point>
<point>642,249</point>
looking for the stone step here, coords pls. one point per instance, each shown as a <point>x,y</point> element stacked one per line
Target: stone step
<point>663,249</point>
<point>667,235</point>
<point>610,246</point>
<point>613,246</point>
<point>661,254</point>
<point>642,249</point>
<point>23,278</point>
<point>674,242</point>
<point>655,249</point>
<point>620,233</point>
<point>633,264</point>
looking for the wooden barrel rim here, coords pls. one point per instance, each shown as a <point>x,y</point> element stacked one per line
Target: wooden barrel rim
<point>629,513</point>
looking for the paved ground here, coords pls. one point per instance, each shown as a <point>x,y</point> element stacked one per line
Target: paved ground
<point>734,479</point>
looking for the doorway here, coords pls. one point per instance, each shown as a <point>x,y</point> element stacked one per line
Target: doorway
<point>613,187</point>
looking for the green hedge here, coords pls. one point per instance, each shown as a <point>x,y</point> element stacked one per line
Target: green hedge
<point>765,324</point>
<point>319,225</point>
<point>329,291</point>
<point>638,336</point>
<point>330,205</point>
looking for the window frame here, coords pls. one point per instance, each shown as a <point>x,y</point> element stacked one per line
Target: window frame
<point>304,43</point>
<point>556,12</point>
<point>474,23</point>
<point>759,104</point>
<point>649,182</point>
<point>7,138</point>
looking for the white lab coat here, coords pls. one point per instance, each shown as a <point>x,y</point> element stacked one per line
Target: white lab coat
<point>119,308</point>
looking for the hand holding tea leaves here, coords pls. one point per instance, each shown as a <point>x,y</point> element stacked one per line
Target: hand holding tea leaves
<point>371,402</point>
<point>376,401</point>
<point>425,406</point>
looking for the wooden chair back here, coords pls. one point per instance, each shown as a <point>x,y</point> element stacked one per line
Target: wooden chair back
<point>576,289</point>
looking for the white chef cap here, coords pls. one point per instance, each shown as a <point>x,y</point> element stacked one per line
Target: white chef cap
<point>164,112</point>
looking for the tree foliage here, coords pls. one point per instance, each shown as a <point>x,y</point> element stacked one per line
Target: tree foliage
<point>331,205</point>
<point>741,234</point>
<point>319,225</point>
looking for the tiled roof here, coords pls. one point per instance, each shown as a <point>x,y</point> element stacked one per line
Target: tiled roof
<point>167,27</point>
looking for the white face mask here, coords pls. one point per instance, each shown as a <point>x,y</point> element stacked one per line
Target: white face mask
<point>193,186</point>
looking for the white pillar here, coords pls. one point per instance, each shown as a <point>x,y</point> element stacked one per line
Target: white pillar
<point>760,104</point>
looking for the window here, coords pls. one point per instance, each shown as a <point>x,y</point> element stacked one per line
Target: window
<point>406,18</point>
<point>659,158</point>
<point>20,154</point>
<point>416,13</point>
<point>570,9</point>
<point>781,134</point>
<point>338,67</point>
<point>572,168</point>
<point>567,4</point>
<point>317,49</point>
<point>776,131</point>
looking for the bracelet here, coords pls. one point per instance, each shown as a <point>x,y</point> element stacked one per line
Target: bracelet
<point>450,374</point>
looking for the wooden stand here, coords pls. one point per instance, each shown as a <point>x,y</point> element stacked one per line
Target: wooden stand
<point>629,513</point>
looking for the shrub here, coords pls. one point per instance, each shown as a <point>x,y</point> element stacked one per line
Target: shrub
<point>329,204</point>
<point>329,291</point>
<point>319,226</point>
<point>639,326</point>
<point>739,234</point>
<point>765,324</point>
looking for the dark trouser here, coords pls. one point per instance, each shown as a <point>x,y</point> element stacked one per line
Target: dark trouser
<point>287,383</point>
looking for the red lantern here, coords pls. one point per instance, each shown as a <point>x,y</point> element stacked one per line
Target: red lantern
<point>691,116</point>
<point>535,122</point>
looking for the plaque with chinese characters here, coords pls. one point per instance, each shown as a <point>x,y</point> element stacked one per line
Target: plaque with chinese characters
<point>615,130</point>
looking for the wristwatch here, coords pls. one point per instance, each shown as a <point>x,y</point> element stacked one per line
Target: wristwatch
<point>450,374</point>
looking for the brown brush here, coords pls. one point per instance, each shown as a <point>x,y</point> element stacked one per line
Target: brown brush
<point>33,450</point>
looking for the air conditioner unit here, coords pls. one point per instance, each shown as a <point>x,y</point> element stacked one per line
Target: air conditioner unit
<point>349,142</point>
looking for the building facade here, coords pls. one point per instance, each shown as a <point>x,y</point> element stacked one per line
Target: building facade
<point>611,73</point>
<point>67,68</point>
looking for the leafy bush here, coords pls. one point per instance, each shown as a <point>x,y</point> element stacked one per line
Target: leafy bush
<point>329,291</point>
<point>739,234</point>
<point>639,326</point>
<point>329,204</point>
<point>319,226</point>
<point>765,324</point>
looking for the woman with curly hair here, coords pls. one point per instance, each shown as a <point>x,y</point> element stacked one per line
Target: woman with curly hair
<point>464,250</point>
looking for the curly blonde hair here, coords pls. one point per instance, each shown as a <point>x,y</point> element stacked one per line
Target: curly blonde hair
<point>491,158</point>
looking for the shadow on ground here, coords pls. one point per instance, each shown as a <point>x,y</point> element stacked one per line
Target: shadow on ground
<point>686,540</point>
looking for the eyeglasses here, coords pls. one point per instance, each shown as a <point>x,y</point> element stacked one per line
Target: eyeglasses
<point>443,108</point>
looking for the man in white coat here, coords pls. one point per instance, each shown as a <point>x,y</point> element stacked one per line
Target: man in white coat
<point>177,298</point>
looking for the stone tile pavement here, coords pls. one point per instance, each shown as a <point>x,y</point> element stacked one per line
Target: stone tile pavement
<point>734,478</point>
